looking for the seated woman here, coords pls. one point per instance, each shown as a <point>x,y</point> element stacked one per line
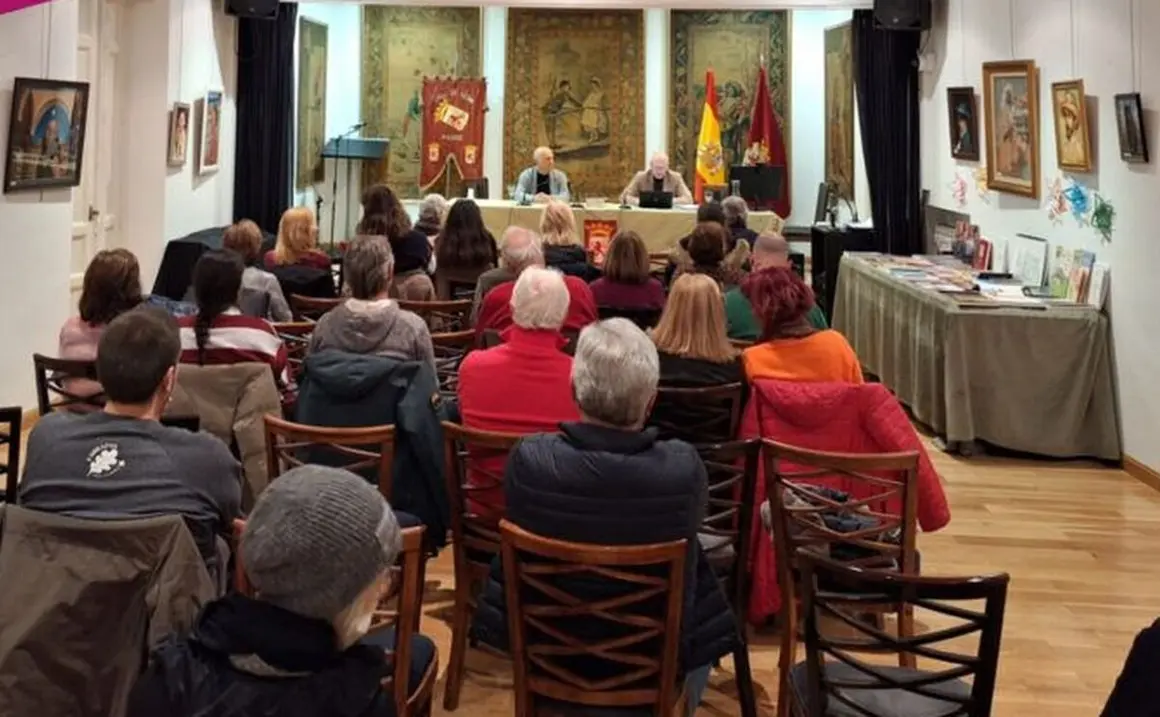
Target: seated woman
<point>432,213</point>
<point>704,253</point>
<point>317,552</point>
<point>790,348</point>
<point>384,215</point>
<point>626,283</point>
<point>563,248</point>
<point>261,293</point>
<point>370,322</point>
<point>297,242</point>
<point>415,283</point>
<point>694,352</point>
<point>220,333</point>
<point>737,220</point>
<point>735,254</point>
<point>464,249</point>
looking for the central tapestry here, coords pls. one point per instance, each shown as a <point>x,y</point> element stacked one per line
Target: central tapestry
<point>575,83</point>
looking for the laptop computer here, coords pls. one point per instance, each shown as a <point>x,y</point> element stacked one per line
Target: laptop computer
<point>656,200</point>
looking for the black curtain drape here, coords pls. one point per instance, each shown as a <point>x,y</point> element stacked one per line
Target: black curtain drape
<point>886,82</point>
<point>263,161</point>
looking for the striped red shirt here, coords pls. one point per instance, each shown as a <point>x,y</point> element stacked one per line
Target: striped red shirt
<point>235,338</point>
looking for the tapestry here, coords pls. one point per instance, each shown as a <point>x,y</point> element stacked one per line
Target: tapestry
<point>732,44</point>
<point>840,109</point>
<point>312,56</point>
<point>453,112</point>
<point>400,46</point>
<point>575,83</point>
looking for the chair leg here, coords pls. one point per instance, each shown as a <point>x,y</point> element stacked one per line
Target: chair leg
<point>744,677</point>
<point>785,663</point>
<point>906,630</point>
<point>460,621</point>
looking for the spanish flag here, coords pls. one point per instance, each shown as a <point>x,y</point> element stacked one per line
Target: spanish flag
<point>710,161</point>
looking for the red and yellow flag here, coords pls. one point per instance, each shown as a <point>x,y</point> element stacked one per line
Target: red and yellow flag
<point>710,160</point>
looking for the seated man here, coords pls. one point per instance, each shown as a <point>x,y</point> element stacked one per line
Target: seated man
<point>518,249</point>
<point>770,249</point>
<point>496,310</point>
<point>657,178</point>
<point>317,551</point>
<point>543,181</point>
<point>607,481</point>
<point>121,462</point>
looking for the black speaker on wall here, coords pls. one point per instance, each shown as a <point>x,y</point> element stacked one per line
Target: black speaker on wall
<point>902,14</point>
<point>253,9</point>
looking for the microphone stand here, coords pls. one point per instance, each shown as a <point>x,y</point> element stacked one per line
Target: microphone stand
<point>334,179</point>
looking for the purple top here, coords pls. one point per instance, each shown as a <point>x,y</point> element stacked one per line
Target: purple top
<point>649,295</point>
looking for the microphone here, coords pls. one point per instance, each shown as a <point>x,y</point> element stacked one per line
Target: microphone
<point>359,126</point>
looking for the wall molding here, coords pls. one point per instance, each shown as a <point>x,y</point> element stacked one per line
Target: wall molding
<point>1142,473</point>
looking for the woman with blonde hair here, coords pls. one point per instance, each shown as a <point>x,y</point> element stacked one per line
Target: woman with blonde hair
<point>563,248</point>
<point>297,242</point>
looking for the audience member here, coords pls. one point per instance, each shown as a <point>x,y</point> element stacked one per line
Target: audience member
<point>791,349</point>
<point>261,293</point>
<point>518,249</point>
<point>317,551</point>
<point>370,322</point>
<point>1136,693</point>
<point>297,242</point>
<point>465,248</point>
<point>384,215</point>
<point>121,462</point>
<point>737,220</point>
<point>563,247</point>
<point>495,313</point>
<point>770,250</point>
<point>626,283</point>
<point>607,480</point>
<point>432,214</point>
<point>704,252</point>
<point>220,333</point>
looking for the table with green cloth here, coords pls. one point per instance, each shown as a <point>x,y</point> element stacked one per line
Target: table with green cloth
<point>1034,380</point>
<point>661,229</point>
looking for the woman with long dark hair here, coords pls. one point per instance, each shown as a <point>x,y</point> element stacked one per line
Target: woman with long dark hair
<point>465,243</point>
<point>384,216</point>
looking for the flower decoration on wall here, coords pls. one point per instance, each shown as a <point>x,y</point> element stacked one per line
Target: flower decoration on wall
<point>1103,217</point>
<point>959,190</point>
<point>1079,201</point>
<point>1057,207</point>
<point>981,186</point>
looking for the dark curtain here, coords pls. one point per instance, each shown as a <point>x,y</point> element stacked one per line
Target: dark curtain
<point>886,82</point>
<point>263,161</point>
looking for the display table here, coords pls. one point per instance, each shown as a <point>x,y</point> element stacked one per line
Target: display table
<point>661,229</point>
<point>1034,380</point>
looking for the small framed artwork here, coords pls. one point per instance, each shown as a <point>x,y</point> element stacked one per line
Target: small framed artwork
<point>1073,146</point>
<point>46,134</point>
<point>178,150</point>
<point>209,150</point>
<point>964,115</point>
<point>1130,127</point>
<point>1011,111</point>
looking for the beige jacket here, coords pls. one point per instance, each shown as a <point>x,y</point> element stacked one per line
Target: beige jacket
<point>643,182</point>
<point>82,603</point>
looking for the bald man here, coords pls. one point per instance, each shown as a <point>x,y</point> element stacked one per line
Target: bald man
<point>657,178</point>
<point>543,181</point>
<point>519,248</point>
<point>770,249</point>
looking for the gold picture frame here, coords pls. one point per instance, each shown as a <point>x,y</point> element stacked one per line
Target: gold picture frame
<point>1011,112</point>
<point>1073,144</point>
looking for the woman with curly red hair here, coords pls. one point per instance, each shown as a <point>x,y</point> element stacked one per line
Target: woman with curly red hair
<point>790,348</point>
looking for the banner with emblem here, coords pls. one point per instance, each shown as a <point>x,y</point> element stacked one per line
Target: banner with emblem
<point>453,113</point>
<point>598,235</point>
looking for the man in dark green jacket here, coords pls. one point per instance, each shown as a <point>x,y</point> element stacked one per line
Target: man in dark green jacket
<point>769,250</point>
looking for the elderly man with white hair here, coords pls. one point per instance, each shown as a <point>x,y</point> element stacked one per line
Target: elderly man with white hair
<point>542,181</point>
<point>608,480</point>
<point>519,248</point>
<point>770,250</point>
<point>657,178</point>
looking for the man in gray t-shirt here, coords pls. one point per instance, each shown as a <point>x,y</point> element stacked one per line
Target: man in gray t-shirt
<point>122,463</point>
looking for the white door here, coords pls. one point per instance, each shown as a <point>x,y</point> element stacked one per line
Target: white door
<point>94,226</point>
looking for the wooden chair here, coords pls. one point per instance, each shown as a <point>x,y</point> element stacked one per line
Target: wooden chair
<point>442,316</point>
<point>52,378</point>
<point>726,537</point>
<point>309,308</point>
<point>741,344</point>
<point>474,469</point>
<point>707,414</point>
<point>798,512</point>
<point>833,680</point>
<point>10,421</point>
<point>455,284</point>
<point>644,318</point>
<point>630,639</point>
<point>369,451</point>
<point>450,349</point>
<point>296,336</point>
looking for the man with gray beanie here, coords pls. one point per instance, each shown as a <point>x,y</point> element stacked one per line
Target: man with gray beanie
<point>317,550</point>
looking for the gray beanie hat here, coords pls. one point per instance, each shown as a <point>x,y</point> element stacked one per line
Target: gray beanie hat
<point>317,537</point>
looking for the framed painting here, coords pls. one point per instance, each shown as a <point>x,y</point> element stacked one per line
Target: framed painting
<point>840,109</point>
<point>964,122</point>
<point>46,134</point>
<point>1130,128</point>
<point>209,149</point>
<point>1073,148</point>
<point>312,63</point>
<point>178,146</point>
<point>575,83</point>
<point>1011,107</point>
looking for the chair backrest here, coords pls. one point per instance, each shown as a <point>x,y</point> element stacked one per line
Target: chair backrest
<point>706,414</point>
<point>402,608</point>
<point>369,451</point>
<point>52,378</point>
<point>726,533</point>
<point>740,344</point>
<point>442,316</point>
<point>453,284</point>
<point>644,318</point>
<point>837,679</point>
<point>310,308</point>
<point>475,463</point>
<point>450,349</point>
<point>614,651</point>
<point>296,337</point>
<point>10,421</point>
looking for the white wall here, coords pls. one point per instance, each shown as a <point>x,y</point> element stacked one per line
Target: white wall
<point>34,226</point>
<point>1103,43</point>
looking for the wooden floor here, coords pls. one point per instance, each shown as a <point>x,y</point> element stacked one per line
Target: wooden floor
<point>1079,542</point>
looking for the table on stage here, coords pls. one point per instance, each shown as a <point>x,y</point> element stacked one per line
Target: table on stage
<point>661,229</point>
<point>1035,380</point>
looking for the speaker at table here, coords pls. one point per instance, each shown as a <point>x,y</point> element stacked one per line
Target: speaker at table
<point>902,14</point>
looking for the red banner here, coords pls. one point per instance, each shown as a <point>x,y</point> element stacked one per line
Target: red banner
<point>598,235</point>
<point>14,5</point>
<point>453,110</point>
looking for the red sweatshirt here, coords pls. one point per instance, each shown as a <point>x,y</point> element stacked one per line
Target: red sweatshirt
<point>495,312</point>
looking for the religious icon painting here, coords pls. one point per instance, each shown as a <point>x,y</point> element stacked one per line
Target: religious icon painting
<point>46,134</point>
<point>178,146</point>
